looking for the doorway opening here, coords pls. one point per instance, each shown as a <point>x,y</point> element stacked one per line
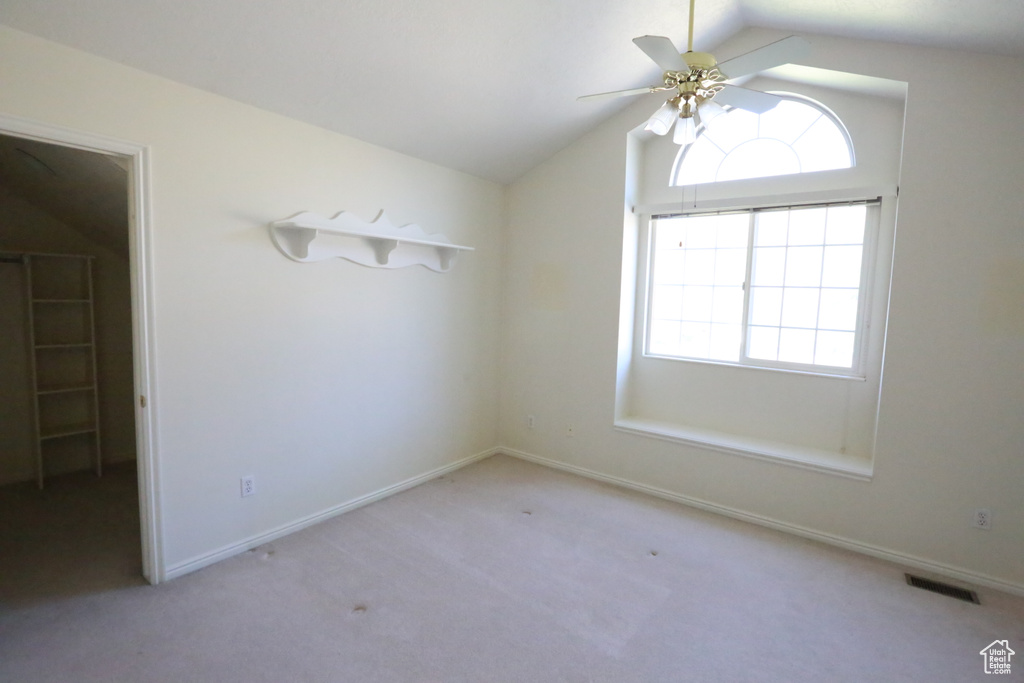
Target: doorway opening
<point>77,385</point>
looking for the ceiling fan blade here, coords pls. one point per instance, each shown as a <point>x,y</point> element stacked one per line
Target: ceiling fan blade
<point>615,93</point>
<point>663,52</point>
<point>744,98</point>
<point>780,52</point>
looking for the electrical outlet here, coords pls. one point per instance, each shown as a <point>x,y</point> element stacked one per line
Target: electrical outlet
<point>570,430</point>
<point>531,421</point>
<point>248,485</point>
<point>982,519</point>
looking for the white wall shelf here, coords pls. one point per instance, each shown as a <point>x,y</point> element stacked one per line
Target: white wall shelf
<point>307,237</point>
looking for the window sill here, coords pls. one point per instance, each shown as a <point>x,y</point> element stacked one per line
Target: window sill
<point>817,460</point>
<point>807,371</point>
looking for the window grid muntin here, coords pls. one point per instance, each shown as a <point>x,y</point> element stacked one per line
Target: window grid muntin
<point>861,324</point>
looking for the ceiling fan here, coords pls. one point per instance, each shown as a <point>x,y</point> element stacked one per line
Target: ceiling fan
<point>700,85</point>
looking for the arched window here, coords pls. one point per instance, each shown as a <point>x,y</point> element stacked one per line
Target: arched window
<point>797,136</point>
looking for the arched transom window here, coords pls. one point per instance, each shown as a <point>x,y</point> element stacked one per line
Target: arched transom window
<point>797,136</point>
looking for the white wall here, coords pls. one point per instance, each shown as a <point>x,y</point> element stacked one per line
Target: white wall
<point>326,381</point>
<point>950,427</point>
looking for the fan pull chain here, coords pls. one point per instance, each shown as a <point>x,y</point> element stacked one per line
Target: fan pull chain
<point>682,198</point>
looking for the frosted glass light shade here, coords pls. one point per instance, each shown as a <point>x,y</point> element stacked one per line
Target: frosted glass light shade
<point>661,121</point>
<point>686,131</point>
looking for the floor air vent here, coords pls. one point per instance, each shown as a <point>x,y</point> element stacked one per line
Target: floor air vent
<point>943,588</point>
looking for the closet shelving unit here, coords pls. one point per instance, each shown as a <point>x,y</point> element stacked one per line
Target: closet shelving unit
<point>62,338</point>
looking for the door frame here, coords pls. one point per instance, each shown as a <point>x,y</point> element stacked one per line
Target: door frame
<point>143,335</point>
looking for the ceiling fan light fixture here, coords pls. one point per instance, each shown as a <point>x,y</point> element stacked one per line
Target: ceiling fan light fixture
<point>694,78</point>
<point>710,110</point>
<point>686,131</point>
<point>661,121</point>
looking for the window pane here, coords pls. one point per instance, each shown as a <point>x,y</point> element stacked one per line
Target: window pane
<point>666,302</point>
<point>697,303</point>
<point>845,224</point>
<point>788,120</point>
<point>664,338</point>
<point>763,343</point>
<point>803,266</point>
<point>796,346</point>
<point>733,232</point>
<point>670,234</point>
<point>725,342</point>
<point>838,309</point>
<point>807,226</point>
<point>728,305</point>
<point>769,266</point>
<point>771,228</point>
<point>800,308</point>
<point>731,266</point>
<point>699,268</point>
<point>765,305</point>
<point>668,267</point>
<point>694,339</point>
<point>758,158</point>
<point>835,349</point>
<point>698,284</point>
<point>702,161</point>
<point>738,127</point>
<point>842,267</point>
<point>822,147</point>
<point>701,232</point>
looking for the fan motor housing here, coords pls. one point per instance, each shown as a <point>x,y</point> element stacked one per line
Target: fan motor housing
<point>700,60</point>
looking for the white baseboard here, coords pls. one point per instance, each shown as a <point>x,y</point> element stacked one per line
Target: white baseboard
<point>227,551</point>
<point>912,561</point>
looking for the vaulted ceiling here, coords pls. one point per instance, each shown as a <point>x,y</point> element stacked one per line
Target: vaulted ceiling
<point>484,86</point>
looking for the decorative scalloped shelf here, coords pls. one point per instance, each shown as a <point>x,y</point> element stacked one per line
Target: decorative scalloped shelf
<point>307,237</point>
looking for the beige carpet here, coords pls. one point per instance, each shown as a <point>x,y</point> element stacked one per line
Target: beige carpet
<point>502,571</point>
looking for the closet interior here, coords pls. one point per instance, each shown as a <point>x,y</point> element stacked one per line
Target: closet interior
<point>66,368</point>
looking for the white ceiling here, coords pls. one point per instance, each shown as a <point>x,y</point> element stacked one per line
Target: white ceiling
<point>483,86</point>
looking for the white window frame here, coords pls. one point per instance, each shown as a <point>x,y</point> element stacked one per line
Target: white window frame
<point>824,423</point>
<point>858,368</point>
